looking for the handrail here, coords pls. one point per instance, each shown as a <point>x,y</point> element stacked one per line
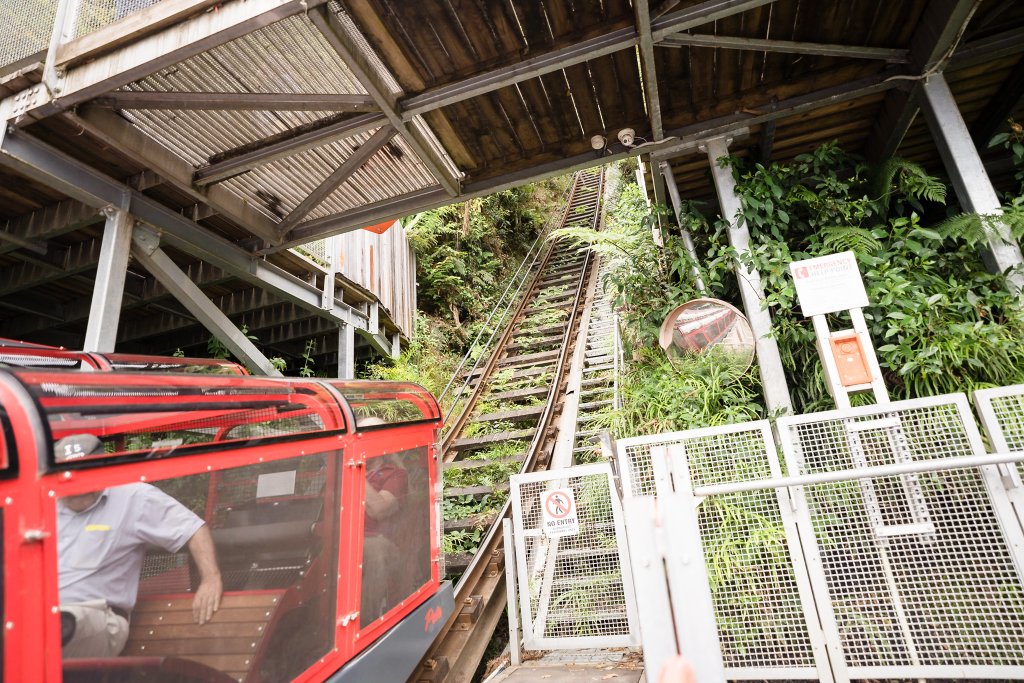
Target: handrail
<point>508,306</point>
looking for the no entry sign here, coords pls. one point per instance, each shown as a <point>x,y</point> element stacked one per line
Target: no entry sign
<point>560,516</point>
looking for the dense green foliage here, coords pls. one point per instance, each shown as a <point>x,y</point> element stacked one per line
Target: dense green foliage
<point>465,252</point>
<point>941,323</point>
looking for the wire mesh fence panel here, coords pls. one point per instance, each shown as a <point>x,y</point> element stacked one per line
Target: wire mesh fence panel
<point>27,28</point>
<point>915,574</point>
<point>762,601</point>
<point>1002,415</point>
<point>575,589</point>
<point>91,15</point>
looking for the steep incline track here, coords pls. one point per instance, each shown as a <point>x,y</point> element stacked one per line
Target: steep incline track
<point>509,425</point>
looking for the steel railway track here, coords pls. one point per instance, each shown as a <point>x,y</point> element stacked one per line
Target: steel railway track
<point>509,424</point>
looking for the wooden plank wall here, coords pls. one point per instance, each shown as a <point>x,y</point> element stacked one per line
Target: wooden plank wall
<point>385,266</point>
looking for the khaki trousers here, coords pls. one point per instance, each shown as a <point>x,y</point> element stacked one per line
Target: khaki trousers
<point>98,631</point>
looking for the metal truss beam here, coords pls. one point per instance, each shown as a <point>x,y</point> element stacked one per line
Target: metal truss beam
<point>231,305</point>
<point>650,72</point>
<point>261,152</point>
<point>150,292</point>
<point>28,156</point>
<point>48,222</point>
<point>621,39</point>
<point>77,258</point>
<point>41,309</point>
<point>116,131</point>
<point>108,287</point>
<point>150,54</point>
<point>330,26</point>
<point>893,56</point>
<point>146,251</point>
<point>678,140</point>
<point>236,101</point>
<point>336,179</point>
<point>932,45</point>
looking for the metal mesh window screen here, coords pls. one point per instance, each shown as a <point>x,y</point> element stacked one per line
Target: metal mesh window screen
<point>27,28</point>
<point>756,596</point>
<point>917,567</point>
<point>572,586</point>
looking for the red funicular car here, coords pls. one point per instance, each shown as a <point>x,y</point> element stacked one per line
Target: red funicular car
<point>23,355</point>
<point>285,475</point>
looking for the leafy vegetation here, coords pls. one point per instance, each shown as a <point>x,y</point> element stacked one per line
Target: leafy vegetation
<point>941,323</point>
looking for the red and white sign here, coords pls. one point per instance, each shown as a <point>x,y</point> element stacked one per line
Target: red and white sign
<point>560,517</point>
<point>828,284</point>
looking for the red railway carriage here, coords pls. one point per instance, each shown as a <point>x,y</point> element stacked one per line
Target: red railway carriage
<point>315,586</point>
<point>22,355</point>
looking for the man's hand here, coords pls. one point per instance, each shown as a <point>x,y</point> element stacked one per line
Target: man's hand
<point>207,600</point>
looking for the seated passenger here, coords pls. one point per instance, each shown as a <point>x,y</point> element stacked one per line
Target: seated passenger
<point>102,537</point>
<point>387,484</point>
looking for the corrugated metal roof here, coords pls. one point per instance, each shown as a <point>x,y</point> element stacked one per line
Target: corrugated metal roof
<point>292,57</point>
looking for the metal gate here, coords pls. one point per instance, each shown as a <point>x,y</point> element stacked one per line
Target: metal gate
<point>1002,416</point>
<point>759,588</point>
<point>916,575</point>
<point>575,591</point>
<point>897,551</point>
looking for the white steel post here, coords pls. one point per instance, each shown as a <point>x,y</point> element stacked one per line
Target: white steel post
<point>108,290</point>
<point>769,362</point>
<point>346,351</point>
<point>512,594</point>
<point>967,172</point>
<point>677,208</point>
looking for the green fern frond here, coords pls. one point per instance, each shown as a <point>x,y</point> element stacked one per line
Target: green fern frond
<point>909,179</point>
<point>850,238</point>
<point>966,226</point>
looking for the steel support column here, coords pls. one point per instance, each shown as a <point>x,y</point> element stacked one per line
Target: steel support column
<point>146,249</point>
<point>769,362</point>
<point>967,173</point>
<point>108,290</point>
<point>677,209</point>
<point>346,352</point>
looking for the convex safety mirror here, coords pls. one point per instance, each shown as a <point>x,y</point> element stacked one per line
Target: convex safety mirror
<point>709,326</point>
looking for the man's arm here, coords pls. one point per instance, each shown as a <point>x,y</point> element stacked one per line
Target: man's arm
<point>207,597</point>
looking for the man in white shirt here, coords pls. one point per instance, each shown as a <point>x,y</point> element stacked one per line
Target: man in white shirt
<point>102,538</point>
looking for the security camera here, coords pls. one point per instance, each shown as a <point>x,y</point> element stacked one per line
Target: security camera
<point>627,136</point>
<point>598,142</point>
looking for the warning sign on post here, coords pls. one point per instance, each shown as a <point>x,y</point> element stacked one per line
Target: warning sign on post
<point>560,517</point>
<point>828,284</point>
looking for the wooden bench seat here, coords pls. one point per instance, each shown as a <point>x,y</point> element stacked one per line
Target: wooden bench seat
<point>162,626</point>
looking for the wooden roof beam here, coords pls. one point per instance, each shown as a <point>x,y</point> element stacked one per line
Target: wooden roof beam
<point>330,26</point>
<point>576,53</point>
<point>236,101</point>
<point>237,161</point>
<point>336,179</point>
<point>999,109</point>
<point>650,73</point>
<point>932,45</point>
<point>892,56</point>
